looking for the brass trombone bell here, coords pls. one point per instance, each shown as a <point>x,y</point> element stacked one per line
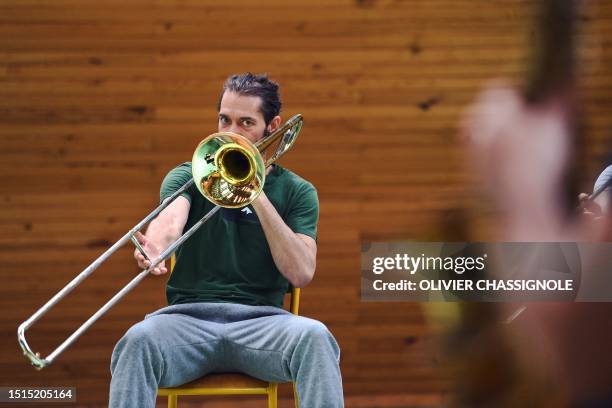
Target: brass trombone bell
<point>228,170</point>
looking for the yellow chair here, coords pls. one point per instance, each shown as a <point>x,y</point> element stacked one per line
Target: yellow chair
<point>231,383</point>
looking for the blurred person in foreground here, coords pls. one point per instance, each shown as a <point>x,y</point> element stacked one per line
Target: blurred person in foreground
<point>563,348</point>
<point>522,141</point>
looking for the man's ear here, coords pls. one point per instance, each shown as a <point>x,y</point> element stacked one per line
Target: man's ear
<point>274,124</point>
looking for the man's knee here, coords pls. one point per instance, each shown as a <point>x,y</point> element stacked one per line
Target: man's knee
<point>138,340</point>
<point>139,335</point>
<point>315,328</point>
<point>319,336</point>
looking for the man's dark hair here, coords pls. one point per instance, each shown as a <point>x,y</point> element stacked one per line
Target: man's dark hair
<point>255,85</point>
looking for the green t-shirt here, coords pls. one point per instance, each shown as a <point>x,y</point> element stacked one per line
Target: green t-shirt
<point>228,259</point>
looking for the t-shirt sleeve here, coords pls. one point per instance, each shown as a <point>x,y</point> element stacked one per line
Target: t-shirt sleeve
<point>174,180</point>
<point>303,215</point>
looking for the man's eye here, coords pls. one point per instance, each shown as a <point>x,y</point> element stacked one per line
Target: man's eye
<point>223,120</point>
<point>247,123</point>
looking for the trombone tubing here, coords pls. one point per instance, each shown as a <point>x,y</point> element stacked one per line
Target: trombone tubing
<point>163,256</point>
<point>267,141</point>
<point>40,363</point>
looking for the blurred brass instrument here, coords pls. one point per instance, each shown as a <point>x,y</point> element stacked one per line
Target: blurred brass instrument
<point>227,169</point>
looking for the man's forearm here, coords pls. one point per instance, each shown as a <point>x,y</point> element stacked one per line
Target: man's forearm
<point>168,226</point>
<point>292,256</point>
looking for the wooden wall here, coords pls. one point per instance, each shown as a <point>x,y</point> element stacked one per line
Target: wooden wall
<point>98,100</point>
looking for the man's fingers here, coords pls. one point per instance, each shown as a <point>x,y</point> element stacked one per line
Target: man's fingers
<point>140,238</point>
<point>591,206</point>
<point>140,259</point>
<point>588,207</point>
<point>145,263</point>
<point>159,270</point>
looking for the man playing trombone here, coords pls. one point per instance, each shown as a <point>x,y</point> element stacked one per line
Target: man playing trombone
<point>226,291</point>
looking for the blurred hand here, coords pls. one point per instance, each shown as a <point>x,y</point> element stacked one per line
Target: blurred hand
<point>520,151</point>
<point>152,252</point>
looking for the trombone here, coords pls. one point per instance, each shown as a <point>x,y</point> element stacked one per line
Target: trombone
<point>227,169</point>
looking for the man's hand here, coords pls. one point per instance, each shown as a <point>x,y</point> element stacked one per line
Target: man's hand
<point>152,252</point>
<point>161,232</point>
<point>590,210</point>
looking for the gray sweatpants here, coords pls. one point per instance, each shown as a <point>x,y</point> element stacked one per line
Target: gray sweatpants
<point>180,343</point>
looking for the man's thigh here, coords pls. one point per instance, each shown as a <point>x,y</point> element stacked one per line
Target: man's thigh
<point>266,346</point>
<point>183,346</point>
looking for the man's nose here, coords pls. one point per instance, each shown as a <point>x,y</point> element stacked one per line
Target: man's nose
<point>235,129</point>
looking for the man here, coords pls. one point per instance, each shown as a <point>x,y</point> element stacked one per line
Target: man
<point>226,291</point>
